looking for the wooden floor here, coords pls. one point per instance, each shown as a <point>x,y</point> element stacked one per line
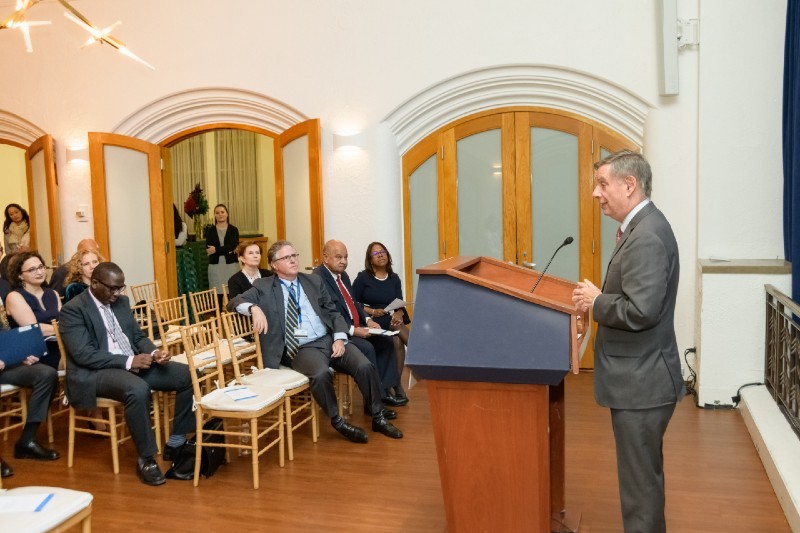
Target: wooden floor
<point>715,480</point>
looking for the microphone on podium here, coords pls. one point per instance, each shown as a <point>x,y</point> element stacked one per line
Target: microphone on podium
<point>567,241</point>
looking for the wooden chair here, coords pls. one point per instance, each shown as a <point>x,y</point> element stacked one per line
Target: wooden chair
<point>109,413</point>
<point>59,404</point>
<point>343,383</point>
<point>64,510</point>
<point>245,350</point>
<point>225,298</point>
<point>261,408</point>
<point>171,315</point>
<point>13,408</point>
<point>205,305</point>
<point>143,316</point>
<point>147,292</point>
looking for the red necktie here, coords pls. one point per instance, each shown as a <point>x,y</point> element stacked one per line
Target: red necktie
<point>349,301</point>
<point>619,234</point>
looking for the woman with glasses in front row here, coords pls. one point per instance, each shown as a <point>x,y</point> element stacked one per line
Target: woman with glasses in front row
<point>30,302</point>
<point>376,287</point>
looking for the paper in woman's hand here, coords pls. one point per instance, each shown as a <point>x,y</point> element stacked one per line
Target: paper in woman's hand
<point>396,304</point>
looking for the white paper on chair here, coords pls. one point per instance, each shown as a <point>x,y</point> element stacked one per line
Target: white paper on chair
<point>24,503</point>
<point>238,394</point>
<point>397,303</point>
<point>384,332</point>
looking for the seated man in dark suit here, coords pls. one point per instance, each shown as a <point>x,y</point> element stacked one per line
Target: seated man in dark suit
<point>379,350</point>
<point>307,333</point>
<point>109,356</point>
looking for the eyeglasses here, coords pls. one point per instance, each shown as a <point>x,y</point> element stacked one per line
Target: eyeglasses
<point>288,257</point>
<point>40,268</point>
<point>114,290</point>
<point>378,252</point>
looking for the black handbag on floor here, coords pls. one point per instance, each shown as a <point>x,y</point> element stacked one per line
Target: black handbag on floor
<point>213,456</point>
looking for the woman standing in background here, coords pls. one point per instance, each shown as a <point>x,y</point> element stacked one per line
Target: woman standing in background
<point>16,229</point>
<point>221,241</point>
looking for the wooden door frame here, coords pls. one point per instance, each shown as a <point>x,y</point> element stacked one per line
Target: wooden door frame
<point>97,142</point>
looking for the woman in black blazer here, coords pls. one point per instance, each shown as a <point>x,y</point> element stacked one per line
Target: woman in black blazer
<point>221,241</point>
<point>249,253</point>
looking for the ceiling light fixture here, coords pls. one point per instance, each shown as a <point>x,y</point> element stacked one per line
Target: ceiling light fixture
<point>17,20</point>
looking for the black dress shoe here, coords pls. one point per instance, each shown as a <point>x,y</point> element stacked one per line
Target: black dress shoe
<point>171,453</point>
<point>394,401</point>
<point>401,396</point>
<point>5,469</point>
<point>353,433</point>
<point>150,473</point>
<point>34,450</point>
<point>382,425</point>
<point>388,414</point>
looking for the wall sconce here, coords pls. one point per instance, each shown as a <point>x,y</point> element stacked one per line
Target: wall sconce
<point>77,155</point>
<point>350,141</point>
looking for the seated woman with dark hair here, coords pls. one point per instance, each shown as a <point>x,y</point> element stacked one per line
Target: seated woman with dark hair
<point>81,267</point>
<point>249,253</point>
<point>376,287</point>
<point>31,302</point>
<point>42,381</point>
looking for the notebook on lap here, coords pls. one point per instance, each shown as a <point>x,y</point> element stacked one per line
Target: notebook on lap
<point>18,343</point>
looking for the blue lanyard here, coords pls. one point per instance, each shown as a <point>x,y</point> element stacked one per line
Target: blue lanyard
<point>295,299</point>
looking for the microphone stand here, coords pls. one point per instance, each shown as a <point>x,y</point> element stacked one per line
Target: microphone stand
<point>567,241</point>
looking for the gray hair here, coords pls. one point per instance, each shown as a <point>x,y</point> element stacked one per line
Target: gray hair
<point>277,245</point>
<point>629,163</point>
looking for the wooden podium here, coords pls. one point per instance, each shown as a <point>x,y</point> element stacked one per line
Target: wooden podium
<point>495,356</point>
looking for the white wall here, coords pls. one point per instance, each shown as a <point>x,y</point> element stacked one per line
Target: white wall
<point>352,62</point>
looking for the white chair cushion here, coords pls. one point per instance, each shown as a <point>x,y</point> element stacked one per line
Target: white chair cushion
<point>278,377</point>
<point>220,400</point>
<point>64,504</point>
<point>4,387</point>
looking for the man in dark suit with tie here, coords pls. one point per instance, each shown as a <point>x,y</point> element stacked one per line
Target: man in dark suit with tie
<point>637,367</point>
<point>300,327</point>
<point>378,349</point>
<point>109,356</point>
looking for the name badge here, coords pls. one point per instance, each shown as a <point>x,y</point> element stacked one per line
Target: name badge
<point>299,332</point>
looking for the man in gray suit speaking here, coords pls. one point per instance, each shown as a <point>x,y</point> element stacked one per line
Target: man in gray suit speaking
<point>637,367</point>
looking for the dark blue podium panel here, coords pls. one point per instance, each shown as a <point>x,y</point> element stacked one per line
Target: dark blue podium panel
<point>465,332</point>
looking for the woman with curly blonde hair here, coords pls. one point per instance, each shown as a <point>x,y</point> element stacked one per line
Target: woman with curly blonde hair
<point>81,267</point>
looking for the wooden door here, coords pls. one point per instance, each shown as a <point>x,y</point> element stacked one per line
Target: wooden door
<point>129,207</point>
<point>43,200</point>
<point>298,191</point>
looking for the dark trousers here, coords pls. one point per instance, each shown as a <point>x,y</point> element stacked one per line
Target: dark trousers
<point>133,390</point>
<point>380,352</point>
<point>41,379</point>
<point>314,359</point>
<point>639,435</point>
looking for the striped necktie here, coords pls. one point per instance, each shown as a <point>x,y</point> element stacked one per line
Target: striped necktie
<point>292,346</point>
<point>116,332</point>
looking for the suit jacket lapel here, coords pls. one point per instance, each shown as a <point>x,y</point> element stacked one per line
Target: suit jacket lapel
<point>97,321</point>
<point>646,210</point>
<point>277,302</point>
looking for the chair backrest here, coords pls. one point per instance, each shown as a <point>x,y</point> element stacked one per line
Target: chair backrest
<point>171,314</point>
<point>201,343</point>
<point>205,304</point>
<point>142,314</point>
<point>225,295</point>
<point>62,364</point>
<point>243,343</point>
<point>147,292</point>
